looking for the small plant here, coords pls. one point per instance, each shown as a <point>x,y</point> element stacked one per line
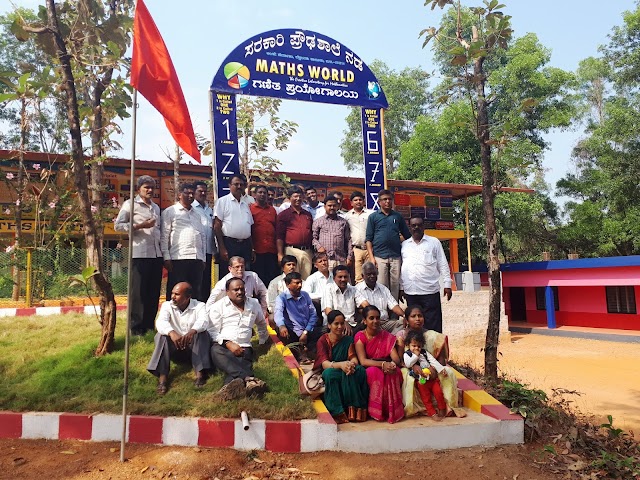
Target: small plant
<point>613,432</point>
<point>83,279</point>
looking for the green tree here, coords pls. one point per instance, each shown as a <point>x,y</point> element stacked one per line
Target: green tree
<point>261,133</point>
<point>408,97</point>
<point>87,40</point>
<point>40,125</point>
<point>508,114</point>
<point>604,214</point>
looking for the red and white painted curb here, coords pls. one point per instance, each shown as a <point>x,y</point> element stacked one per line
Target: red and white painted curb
<point>272,435</point>
<point>26,312</point>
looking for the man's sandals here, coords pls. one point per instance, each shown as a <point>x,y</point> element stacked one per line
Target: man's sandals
<point>162,388</point>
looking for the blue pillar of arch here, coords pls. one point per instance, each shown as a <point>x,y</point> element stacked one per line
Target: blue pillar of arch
<point>549,305</point>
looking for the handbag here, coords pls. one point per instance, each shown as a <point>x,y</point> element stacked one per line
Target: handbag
<point>313,383</point>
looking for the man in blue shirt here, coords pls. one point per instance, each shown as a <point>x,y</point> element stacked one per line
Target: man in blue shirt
<point>296,318</point>
<point>384,228</point>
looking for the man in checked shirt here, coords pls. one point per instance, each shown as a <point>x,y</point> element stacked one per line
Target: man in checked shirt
<point>331,235</point>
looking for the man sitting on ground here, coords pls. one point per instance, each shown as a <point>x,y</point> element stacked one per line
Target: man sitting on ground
<point>296,317</point>
<point>253,285</point>
<point>371,292</point>
<point>231,321</point>
<point>182,335</point>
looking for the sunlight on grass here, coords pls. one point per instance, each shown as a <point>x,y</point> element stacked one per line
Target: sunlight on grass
<point>47,364</point>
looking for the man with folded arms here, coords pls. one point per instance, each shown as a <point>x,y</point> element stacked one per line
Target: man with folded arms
<point>182,335</point>
<point>183,242</point>
<point>232,224</point>
<point>293,233</point>
<point>357,218</point>
<point>231,322</point>
<point>331,235</point>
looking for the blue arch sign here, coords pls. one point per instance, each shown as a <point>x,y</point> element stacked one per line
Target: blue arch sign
<point>296,64</point>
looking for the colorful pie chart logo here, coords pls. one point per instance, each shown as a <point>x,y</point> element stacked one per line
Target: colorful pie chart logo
<point>237,75</point>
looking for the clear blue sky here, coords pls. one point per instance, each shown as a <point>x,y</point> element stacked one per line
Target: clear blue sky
<point>200,34</point>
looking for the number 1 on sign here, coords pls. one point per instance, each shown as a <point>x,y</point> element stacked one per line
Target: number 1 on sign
<point>226,124</point>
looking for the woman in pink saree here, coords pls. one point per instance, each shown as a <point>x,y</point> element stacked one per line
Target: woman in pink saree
<point>376,352</point>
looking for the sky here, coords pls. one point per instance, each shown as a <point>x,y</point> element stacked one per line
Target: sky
<point>200,34</point>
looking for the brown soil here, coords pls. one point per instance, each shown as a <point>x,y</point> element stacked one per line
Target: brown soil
<point>605,373</point>
<point>29,459</point>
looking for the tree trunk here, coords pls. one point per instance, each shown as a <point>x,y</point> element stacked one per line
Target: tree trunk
<point>97,166</point>
<point>20,197</point>
<point>488,196</point>
<point>107,299</point>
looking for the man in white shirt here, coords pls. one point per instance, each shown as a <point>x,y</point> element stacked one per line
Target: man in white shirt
<point>370,292</point>
<point>231,322</point>
<point>288,264</point>
<point>254,288</point>
<point>206,212</point>
<point>146,263</point>
<point>341,295</point>
<point>313,205</point>
<point>183,242</point>
<point>357,219</point>
<point>315,283</point>
<point>232,224</point>
<point>423,263</point>
<point>182,334</point>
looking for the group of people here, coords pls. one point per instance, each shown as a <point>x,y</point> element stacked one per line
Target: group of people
<point>329,281</point>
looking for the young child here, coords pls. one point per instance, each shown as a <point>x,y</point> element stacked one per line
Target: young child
<point>421,365</point>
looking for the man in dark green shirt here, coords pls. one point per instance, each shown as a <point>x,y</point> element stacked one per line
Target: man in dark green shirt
<point>383,241</point>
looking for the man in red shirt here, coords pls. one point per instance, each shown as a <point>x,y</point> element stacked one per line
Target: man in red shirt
<point>263,232</point>
<point>293,232</point>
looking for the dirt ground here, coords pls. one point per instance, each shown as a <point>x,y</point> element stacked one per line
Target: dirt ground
<point>605,372</point>
<point>80,460</point>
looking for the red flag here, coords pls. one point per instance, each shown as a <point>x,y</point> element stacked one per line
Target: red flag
<point>153,75</point>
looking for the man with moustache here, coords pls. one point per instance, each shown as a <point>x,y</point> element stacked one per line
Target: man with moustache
<point>182,335</point>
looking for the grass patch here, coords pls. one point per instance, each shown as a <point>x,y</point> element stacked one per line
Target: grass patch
<point>47,364</point>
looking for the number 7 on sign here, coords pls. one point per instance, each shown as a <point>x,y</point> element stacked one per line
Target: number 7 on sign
<point>375,171</point>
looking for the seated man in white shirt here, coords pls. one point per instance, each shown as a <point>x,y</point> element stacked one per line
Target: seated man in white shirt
<point>370,292</point>
<point>341,295</point>
<point>253,286</point>
<point>289,264</point>
<point>231,321</point>
<point>315,283</point>
<point>182,335</point>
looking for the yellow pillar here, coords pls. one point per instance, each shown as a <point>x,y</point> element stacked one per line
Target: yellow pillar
<point>453,253</point>
<point>28,294</point>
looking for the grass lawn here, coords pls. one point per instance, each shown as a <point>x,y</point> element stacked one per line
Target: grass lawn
<point>47,364</point>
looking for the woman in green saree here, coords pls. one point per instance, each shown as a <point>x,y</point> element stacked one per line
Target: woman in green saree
<point>346,391</point>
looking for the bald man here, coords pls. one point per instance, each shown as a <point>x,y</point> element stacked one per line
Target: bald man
<point>182,335</point>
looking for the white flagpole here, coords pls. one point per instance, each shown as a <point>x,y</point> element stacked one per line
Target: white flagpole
<point>132,192</point>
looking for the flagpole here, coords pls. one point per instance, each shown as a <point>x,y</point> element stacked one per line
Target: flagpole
<point>132,191</point>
